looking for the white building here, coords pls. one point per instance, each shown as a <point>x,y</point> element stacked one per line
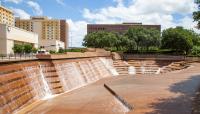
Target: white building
<point>10,35</point>
<point>53,45</point>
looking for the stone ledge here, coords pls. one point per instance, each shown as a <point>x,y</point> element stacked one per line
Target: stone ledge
<point>72,55</point>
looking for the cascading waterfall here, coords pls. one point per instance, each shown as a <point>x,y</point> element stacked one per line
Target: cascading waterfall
<point>48,93</point>
<point>109,65</point>
<point>132,70</point>
<point>77,74</point>
<point>158,71</point>
<point>38,82</point>
<point>70,76</point>
<point>142,69</point>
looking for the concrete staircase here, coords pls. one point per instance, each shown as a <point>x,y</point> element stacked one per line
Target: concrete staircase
<point>144,67</point>
<point>175,66</point>
<point>121,67</point>
<point>148,66</point>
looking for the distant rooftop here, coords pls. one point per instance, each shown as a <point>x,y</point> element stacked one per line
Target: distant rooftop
<point>132,23</point>
<point>1,6</point>
<point>39,18</point>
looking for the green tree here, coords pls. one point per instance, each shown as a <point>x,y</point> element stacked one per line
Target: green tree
<point>196,14</point>
<point>18,48</point>
<point>123,43</point>
<point>195,51</point>
<point>100,39</point>
<point>34,50</point>
<point>28,48</point>
<point>143,38</point>
<point>178,39</point>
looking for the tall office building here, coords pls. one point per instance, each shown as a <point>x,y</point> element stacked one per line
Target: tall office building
<point>119,28</point>
<point>6,16</point>
<point>53,33</point>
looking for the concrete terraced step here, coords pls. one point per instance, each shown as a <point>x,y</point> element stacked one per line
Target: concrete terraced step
<point>121,67</point>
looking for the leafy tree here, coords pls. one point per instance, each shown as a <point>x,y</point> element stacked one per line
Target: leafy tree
<point>143,38</point>
<point>18,48</point>
<point>123,43</point>
<point>178,39</point>
<point>100,39</point>
<point>195,37</point>
<point>196,14</point>
<point>34,50</point>
<point>196,50</point>
<point>28,48</point>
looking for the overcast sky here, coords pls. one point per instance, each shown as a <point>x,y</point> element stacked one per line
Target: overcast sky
<point>168,13</point>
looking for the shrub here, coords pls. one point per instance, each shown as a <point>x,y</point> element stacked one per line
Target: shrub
<point>196,51</point>
<point>18,48</point>
<point>28,48</point>
<point>52,52</point>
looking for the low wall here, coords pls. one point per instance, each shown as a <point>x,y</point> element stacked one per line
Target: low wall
<point>72,55</point>
<point>153,57</point>
<point>159,57</point>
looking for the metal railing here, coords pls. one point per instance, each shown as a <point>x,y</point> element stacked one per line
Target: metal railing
<point>15,57</point>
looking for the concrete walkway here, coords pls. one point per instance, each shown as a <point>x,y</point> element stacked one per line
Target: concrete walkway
<point>169,93</point>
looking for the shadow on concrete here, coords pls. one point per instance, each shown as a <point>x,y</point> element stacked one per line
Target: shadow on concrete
<point>181,104</point>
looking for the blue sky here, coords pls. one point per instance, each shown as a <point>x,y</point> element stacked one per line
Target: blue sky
<point>168,13</point>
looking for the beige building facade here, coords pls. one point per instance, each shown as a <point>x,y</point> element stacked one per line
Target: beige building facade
<point>48,30</point>
<point>9,36</point>
<point>52,45</point>
<point>6,16</point>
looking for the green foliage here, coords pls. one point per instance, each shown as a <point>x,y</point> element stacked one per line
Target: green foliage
<point>178,39</point>
<point>68,50</point>
<point>28,48</point>
<point>76,50</point>
<point>143,38</point>
<point>61,50</point>
<point>100,39</point>
<point>34,50</point>
<point>18,48</point>
<point>195,51</point>
<point>136,37</point>
<point>196,17</point>
<point>52,52</point>
<point>196,14</point>
<point>24,48</point>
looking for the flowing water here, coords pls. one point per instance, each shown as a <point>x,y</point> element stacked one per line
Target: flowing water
<point>38,82</point>
<point>48,93</point>
<point>132,70</point>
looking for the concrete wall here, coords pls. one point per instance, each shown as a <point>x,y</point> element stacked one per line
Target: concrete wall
<point>17,34</point>
<point>10,35</point>
<point>151,56</point>
<point>70,55</point>
<point>3,44</point>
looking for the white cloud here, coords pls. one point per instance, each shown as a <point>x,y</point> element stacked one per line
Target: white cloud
<point>37,10</point>
<point>77,31</point>
<point>21,13</point>
<point>14,1</point>
<point>188,23</point>
<point>61,2</point>
<point>146,11</point>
